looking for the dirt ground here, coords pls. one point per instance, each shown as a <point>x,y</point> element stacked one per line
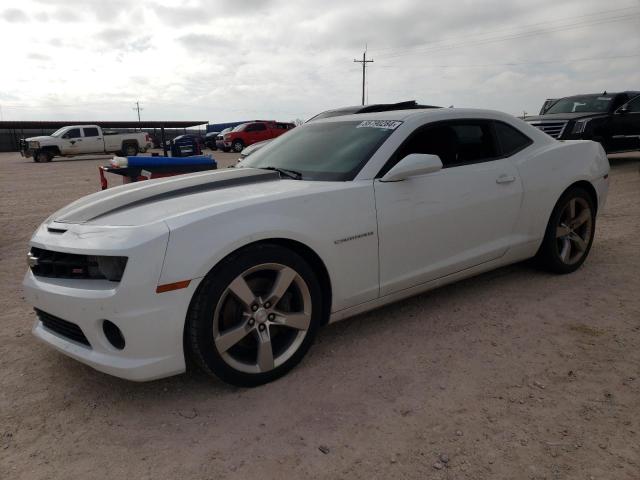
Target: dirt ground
<point>515,374</point>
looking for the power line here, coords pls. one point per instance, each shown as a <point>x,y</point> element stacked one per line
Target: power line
<point>515,64</point>
<point>364,62</point>
<point>519,27</point>
<point>503,38</point>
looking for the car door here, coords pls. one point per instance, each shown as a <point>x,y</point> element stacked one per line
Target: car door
<point>440,223</point>
<point>260,132</point>
<point>627,126</point>
<point>72,142</point>
<point>92,141</point>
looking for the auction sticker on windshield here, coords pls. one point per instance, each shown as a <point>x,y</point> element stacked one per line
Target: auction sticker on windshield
<point>386,124</point>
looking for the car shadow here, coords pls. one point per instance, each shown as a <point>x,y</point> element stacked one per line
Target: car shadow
<point>195,384</point>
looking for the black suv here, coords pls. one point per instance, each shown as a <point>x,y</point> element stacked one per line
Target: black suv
<point>613,119</point>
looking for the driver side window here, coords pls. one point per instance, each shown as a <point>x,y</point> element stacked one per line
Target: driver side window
<point>456,143</point>
<point>73,133</point>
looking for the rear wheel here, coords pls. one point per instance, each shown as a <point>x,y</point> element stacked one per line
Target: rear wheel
<point>255,315</point>
<point>130,149</point>
<point>570,232</point>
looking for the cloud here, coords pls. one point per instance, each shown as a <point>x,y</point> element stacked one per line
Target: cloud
<point>124,40</point>
<point>39,57</point>
<point>234,60</point>
<point>203,42</point>
<point>14,15</point>
<point>207,10</point>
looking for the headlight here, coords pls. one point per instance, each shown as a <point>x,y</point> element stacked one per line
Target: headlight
<point>579,126</point>
<point>111,268</point>
<point>34,145</point>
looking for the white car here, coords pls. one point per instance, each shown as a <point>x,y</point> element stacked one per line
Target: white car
<point>239,268</point>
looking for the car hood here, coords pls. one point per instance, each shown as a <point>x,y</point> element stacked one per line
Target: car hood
<point>151,201</point>
<point>563,116</point>
<point>41,138</point>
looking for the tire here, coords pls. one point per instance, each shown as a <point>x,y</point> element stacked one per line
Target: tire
<point>42,156</point>
<point>237,146</point>
<point>130,149</point>
<point>246,342</point>
<point>570,232</point>
<point>226,149</point>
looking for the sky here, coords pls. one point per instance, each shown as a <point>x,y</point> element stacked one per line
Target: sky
<point>220,61</point>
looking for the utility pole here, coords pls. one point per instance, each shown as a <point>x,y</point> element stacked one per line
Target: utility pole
<point>364,62</point>
<point>137,107</point>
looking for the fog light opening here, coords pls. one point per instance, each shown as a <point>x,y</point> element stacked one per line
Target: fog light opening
<point>113,334</point>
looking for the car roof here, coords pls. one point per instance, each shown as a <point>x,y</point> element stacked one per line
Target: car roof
<point>376,107</point>
<point>426,113</point>
<point>627,92</point>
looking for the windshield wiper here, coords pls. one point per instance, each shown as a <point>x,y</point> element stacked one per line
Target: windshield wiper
<point>286,172</point>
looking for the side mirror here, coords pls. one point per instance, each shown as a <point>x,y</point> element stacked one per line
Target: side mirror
<point>412,165</point>
<point>623,110</point>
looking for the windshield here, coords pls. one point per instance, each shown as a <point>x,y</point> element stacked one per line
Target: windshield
<point>59,132</point>
<point>239,128</point>
<point>587,103</point>
<point>334,151</point>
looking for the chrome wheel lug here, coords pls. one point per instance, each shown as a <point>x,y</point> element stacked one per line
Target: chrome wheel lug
<point>254,307</point>
<point>271,317</point>
<point>252,322</point>
<point>261,327</point>
<point>267,305</point>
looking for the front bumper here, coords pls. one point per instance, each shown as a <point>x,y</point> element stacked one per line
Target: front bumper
<point>152,324</point>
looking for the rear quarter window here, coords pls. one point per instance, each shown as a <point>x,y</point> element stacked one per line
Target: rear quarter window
<point>511,139</point>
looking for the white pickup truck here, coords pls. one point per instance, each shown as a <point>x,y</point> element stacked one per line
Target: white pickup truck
<point>83,140</point>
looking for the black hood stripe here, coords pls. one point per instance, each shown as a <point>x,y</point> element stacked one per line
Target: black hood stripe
<point>137,194</point>
<point>217,185</point>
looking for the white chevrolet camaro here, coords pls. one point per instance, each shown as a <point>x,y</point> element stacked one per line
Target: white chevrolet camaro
<point>238,269</point>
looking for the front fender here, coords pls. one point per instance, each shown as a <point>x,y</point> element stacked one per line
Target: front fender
<point>318,222</point>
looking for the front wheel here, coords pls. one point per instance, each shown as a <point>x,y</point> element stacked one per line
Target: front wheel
<point>255,315</point>
<point>237,146</point>
<point>42,156</point>
<point>569,233</point>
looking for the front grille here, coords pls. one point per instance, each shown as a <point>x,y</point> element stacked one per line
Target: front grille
<point>48,263</point>
<point>62,327</point>
<point>550,127</point>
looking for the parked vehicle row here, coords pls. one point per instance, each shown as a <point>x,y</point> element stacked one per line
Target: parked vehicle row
<point>611,119</point>
<point>82,140</point>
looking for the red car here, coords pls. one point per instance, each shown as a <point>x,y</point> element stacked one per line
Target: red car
<point>253,132</point>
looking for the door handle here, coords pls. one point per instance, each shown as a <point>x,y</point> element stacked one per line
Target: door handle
<point>505,179</point>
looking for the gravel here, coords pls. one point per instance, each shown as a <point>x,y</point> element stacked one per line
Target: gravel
<point>60,419</point>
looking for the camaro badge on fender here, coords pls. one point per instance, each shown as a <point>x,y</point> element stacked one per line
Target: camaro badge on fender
<point>355,237</point>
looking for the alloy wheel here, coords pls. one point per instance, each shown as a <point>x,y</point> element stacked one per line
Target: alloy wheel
<point>574,230</point>
<point>262,318</point>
